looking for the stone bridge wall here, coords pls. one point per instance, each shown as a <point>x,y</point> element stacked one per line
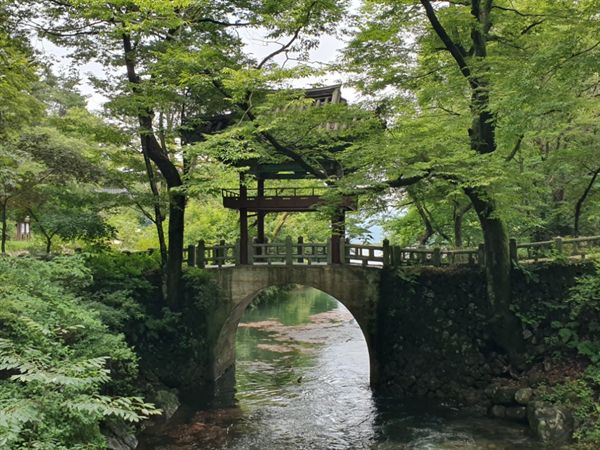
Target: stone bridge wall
<point>433,335</point>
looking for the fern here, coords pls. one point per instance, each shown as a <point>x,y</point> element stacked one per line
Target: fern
<point>54,355</point>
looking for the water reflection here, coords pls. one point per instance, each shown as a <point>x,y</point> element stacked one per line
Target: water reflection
<point>303,376</point>
<point>302,382</point>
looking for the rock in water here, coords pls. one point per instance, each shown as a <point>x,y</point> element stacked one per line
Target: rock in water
<point>549,422</point>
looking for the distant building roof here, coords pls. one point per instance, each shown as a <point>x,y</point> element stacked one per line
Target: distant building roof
<point>326,94</point>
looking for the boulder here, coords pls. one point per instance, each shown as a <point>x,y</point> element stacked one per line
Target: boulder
<point>550,423</point>
<point>524,396</point>
<point>119,437</point>
<point>497,411</point>
<point>504,395</point>
<point>168,402</point>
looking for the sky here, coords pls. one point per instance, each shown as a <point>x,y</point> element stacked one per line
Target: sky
<point>326,52</point>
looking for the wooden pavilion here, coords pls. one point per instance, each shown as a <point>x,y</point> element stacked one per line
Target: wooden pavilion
<point>258,202</point>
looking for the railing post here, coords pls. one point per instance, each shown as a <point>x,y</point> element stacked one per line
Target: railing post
<point>345,251</point>
<point>330,251</point>
<point>481,255</point>
<point>200,252</point>
<point>436,257</point>
<point>215,255</point>
<point>289,260</point>
<point>191,256</point>
<point>251,251</point>
<point>512,248</point>
<point>222,252</point>
<point>558,244</point>
<point>422,256</point>
<point>396,256</point>
<point>300,250</point>
<point>236,252</point>
<point>386,253</point>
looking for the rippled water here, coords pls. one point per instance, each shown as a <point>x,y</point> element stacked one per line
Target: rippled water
<point>302,382</point>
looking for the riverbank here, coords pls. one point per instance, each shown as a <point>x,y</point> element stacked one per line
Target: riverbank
<point>303,382</point>
<point>162,355</point>
<point>439,347</point>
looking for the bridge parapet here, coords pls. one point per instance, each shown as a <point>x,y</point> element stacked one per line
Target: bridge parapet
<point>288,252</point>
<point>292,253</point>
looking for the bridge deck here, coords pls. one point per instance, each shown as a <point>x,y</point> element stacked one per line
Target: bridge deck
<point>289,253</point>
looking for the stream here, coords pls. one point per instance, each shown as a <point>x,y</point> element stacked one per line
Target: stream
<point>302,382</point>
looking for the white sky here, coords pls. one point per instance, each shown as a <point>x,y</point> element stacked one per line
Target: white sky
<point>325,53</point>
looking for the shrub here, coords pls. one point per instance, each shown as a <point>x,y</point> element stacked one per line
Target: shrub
<point>58,361</point>
<point>578,337</point>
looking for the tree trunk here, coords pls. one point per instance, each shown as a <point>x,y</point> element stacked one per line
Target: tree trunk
<point>158,222</point>
<point>428,232</point>
<point>506,328</point>
<point>458,240</point>
<point>169,171</point>
<point>4,226</point>
<point>48,244</point>
<point>176,209</point>
<point>175,253</point>
<point>457,218</point>
<point>582,199</point>
<point>280,224</point>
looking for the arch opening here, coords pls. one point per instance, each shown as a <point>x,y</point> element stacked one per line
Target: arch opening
<point>301,356</point>
<point>355,288</point>
<point>298,321</point>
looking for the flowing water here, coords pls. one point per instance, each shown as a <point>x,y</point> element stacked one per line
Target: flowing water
<point>302,382</point>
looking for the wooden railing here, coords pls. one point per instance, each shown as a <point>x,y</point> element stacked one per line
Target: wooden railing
<point>279,192</point>
<point>288,252</point>
<point>559,247</point>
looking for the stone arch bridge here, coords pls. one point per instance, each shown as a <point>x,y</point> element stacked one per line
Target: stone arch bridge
<point>357,288</point>
<point>359,282</point>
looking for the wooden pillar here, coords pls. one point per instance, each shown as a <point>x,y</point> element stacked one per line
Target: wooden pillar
<point>481,255</point>
<point>338,232</point>
<point>260,216</point>
<point>289,260</point>
<point>243,222</point>
<point>436,257</point>
<point>386,253</point>
<point>236,252</point>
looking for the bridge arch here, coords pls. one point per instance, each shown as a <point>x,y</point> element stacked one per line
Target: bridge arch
<point>356,288</point>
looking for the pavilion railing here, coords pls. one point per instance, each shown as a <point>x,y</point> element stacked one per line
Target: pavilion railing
<point>278,192</point>
<point>289,252</point>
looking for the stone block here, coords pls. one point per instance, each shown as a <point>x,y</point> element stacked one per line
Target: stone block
<point>524,396</point>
